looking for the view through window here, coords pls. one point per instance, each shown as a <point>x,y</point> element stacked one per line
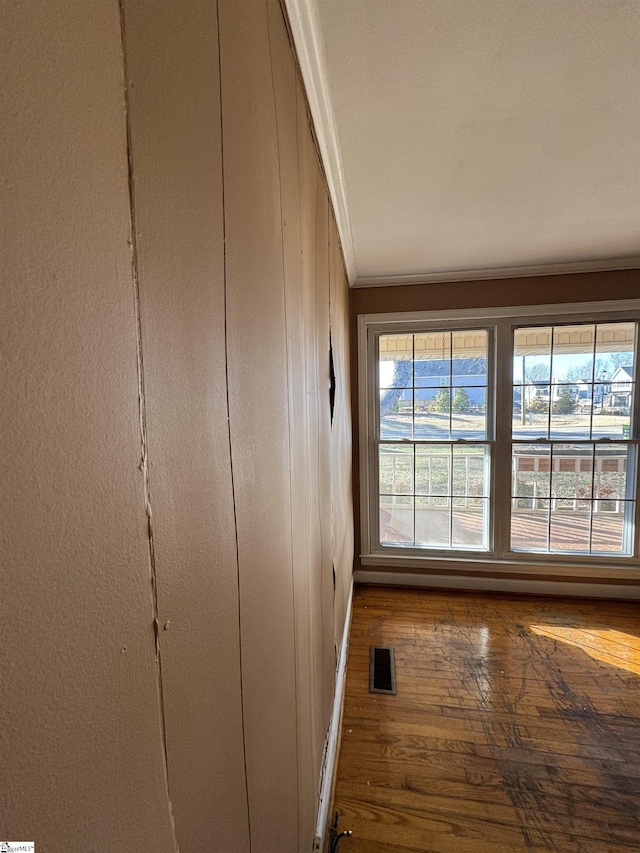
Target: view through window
<point>572,490</point>
<point>443,422</point>
<point>434,490</point>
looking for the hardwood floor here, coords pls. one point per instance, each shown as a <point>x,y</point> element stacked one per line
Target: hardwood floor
<point>516,726</point>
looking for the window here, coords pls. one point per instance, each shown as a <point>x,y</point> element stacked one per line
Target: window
<point>490,438</point>
<point>434,452</point>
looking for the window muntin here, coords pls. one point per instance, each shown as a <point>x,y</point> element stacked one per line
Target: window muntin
<point>413,519</point>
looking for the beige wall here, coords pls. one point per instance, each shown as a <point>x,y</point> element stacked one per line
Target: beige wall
<point>452,296</point>
<point>175,493</point>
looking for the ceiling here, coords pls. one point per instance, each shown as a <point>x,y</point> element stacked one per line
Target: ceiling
<point>476,138</point>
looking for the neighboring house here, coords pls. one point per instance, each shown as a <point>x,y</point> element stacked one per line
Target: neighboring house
<point>583,391</point>
<point>433,374</point>
<point>614,392</point>
<point>472,385</point>
<point>580,390</point>
<point>621,386</point>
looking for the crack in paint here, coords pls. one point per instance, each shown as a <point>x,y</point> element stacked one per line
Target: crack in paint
<point>228,406</point>
<point>144,463</point>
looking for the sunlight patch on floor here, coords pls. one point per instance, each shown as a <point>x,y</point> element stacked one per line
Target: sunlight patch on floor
<point>611,647</point>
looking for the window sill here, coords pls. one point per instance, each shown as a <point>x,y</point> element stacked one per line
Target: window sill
<point>630,570</point>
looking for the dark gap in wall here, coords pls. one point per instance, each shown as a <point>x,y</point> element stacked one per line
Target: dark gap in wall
<point>332,388</point>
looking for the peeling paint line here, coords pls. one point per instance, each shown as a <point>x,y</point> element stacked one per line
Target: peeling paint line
<point>228,405</point>
<point>143,422</point>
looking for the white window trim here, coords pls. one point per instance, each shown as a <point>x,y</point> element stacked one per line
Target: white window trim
<point>503,319</point>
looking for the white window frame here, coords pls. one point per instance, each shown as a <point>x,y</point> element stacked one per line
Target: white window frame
<point>501,322</point>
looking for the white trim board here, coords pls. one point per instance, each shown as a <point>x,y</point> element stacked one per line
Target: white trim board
<point>501,312</point>
<point>608,265</point>
<point>303,18</point>
<point>528,586</point>
<point>329,761</point>
<point>541,566</point>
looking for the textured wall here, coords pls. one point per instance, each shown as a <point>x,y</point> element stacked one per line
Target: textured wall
<point>177,498</point>
<point>80,724</point>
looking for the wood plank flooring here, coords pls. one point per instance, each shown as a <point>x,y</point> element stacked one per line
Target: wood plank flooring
<point>516,726</point>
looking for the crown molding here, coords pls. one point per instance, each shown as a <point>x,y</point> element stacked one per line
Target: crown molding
<point>305,28</point>
<point>499,272</point>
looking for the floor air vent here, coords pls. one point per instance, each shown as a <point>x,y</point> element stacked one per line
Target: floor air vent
<point>382,670</point>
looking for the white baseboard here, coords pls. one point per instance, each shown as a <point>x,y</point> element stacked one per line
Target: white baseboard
<point>524,585</point>
<point>329,761</point>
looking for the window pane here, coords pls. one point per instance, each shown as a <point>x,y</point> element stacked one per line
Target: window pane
<point>572,475</point>
<point>471,471</point>
<point>469,523</point>
<point>570,418</point>
<point>573,348</point>
<point>571,492</point>
<point>610,481</point>
<point>530,490</point>
<point>612,416</point>
<point>614,377</point>
<point>396,520</point>
<point>569,530</point>
<point>531,411</point>
<point>532,376</point>
<point>468,415</point>
<point>587,506</point>
<point>469,383</point>
<point>531,480</point>
<point>396,406</point>
<point>532,355</point>
<point>433,470</point>
<point>432,360</point>
<point>433,520</point>
<point>529,526</point>
<point>432,419</point>
<point>396,470</point>
<point>395,361</point>
<point>469,358</point>
<point>451,494</point>
<point>518,409</point>
<point>608,527</point>
<point>613,511</point>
